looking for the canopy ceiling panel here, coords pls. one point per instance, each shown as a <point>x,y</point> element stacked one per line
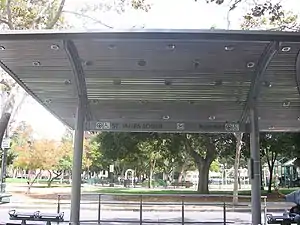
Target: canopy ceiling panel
<point>166,81</point>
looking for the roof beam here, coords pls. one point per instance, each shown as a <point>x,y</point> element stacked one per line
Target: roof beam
<point>78,73</point>
<point>264,61</point>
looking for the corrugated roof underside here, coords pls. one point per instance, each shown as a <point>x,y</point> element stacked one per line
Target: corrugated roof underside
<point>150,79</point>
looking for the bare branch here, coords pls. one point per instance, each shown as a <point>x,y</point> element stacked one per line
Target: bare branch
<point>3,82</point>
<point>41,14</point>
<point>57,15</point>
<point>4,21</point>
<point>9,16</point>
<point>88,17</point>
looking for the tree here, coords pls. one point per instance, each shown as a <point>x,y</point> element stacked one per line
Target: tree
<point>204,149</point>
<point>152,147</point>
<point>265,14</point>
<point>238,147</point>
<point>49,155</point>
<point>274,145</point>
<point>88,13</point>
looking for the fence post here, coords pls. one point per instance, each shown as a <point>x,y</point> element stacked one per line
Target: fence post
<point>99,209</point>
<point>58,203</point>
<point>141,210</point>
<point>224,212</point>
<point>182,210</point>
<point>265,210</point>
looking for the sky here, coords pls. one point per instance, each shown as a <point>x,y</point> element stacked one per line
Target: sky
<point>164,14</point>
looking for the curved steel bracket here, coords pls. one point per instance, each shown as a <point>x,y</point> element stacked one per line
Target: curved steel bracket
<point>79,76</point>
<point>298,72</point>
<point>264,61</point>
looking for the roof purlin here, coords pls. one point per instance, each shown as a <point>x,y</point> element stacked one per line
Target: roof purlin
<point>17,79</point>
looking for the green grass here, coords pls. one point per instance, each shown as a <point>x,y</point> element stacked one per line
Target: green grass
<point>172,191</point>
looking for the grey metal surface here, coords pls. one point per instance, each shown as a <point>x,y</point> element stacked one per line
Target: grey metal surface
<point>170,79</point>
<point>255,167</point>
<point>77,162</point>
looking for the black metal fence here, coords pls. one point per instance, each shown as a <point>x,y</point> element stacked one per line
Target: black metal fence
<point>141,203</point>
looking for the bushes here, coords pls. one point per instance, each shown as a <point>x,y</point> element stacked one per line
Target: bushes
<point>155,183</point>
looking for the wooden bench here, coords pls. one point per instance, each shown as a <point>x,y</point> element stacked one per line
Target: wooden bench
<point>36,216</point>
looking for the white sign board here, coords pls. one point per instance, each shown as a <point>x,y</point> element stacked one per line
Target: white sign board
<point>5,143</point>
<point>111,168</point>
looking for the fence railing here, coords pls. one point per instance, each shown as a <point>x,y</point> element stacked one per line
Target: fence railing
<point>142,202</point>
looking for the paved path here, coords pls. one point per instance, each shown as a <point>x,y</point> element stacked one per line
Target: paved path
<point>20,201</point>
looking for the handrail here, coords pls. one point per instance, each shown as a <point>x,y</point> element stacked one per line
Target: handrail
<point>166,195</point>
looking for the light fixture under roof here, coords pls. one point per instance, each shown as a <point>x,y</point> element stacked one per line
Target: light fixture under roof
<point>36,63</point>
<point>168,82</point>
<point>271,128</point>
<point>298,118</point>
<point>48,101</point>
<point>55,47</point>
<point>267,84</point>
<point>229,48</point>
<point>196,63</point>
<point>286,103</point>
<point>67,82</point>
<point>250,64</point>
<point>211,117</point>
<point>142,62</point>
<point>286,49</point>
<point>112,46</point>
<point>171,46</point>
<point>117,82</point>
<point>2,48</point>
<point>166,117</point>
<point>87,63</point>
<point>218,82</point>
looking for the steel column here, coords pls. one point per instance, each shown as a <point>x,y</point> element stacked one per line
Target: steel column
<point>83,113</point>
<point>77,164</point>
<point>255,167</point>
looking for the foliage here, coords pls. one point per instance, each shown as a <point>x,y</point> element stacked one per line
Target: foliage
<point>264,14</point>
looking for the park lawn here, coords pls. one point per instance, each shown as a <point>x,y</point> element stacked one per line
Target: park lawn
<point>137,191</point>
<point>132,194</point>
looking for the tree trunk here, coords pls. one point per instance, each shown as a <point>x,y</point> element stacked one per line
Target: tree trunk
<point>30,183</point>
<point>238,147</point>
<point>49,181</point>
<point>261,178</point>
<point>203,169</point>
<point>152,167</point>
<point>182,172</point>
<point>150,178</point>
<point>3,124</point>
<point>270,179</point>
<point>52,178</point>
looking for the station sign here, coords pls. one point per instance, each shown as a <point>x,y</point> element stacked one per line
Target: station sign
<point>185,127</point>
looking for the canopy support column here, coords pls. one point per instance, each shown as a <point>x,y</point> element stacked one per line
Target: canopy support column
<point>255,167</point>
<point>83,113</point>
<point>77,164</point>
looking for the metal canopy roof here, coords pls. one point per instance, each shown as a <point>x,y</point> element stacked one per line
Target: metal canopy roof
<point>166,81</point>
